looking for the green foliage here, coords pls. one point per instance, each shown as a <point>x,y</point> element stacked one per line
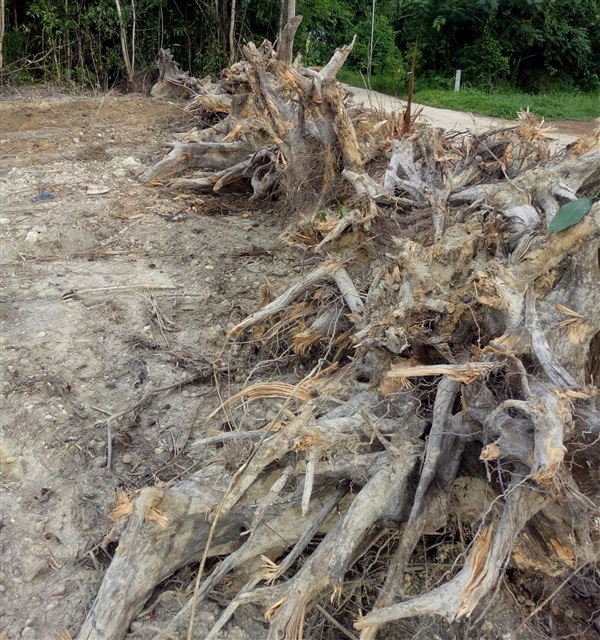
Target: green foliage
<point>540,45</point>
<point>78,41</point>
<point>531,43</point>
<point>569,214</point>
<point>386,55</point>
<point>395,84</point>
<point>484,63</point>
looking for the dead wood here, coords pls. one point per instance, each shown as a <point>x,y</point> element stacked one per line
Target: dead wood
<point>452,344</point>
<point>285,49</point>
<point>172,80</point>
<point>212,156</point>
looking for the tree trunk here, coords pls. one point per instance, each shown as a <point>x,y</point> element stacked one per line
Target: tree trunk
<point>1,35</point>
<point>285,49</point>
<point>232,33</point>
<point>124,46</point>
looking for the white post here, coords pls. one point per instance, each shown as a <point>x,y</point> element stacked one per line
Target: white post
<point>370,65</point>
<point>457,81</point>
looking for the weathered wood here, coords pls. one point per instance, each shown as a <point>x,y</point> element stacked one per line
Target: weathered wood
<point>285,50</point>
<point>215,156</point>
<point>466,296</point>
<point>171,79</point>
<point>330,70</point>
<point>283,301</point>
<point>461,595</point>
<point>166,530</point>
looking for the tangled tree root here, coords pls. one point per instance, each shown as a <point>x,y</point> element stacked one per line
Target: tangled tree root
<point>436,272</point>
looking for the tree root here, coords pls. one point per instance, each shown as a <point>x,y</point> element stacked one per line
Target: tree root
<point>454,334</point>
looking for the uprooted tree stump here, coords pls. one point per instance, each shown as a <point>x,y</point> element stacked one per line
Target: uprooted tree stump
<point>450,339</point>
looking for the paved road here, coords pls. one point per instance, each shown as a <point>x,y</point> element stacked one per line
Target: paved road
<point>445,118</point>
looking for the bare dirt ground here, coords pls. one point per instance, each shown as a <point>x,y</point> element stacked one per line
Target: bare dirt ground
<point>105,298</point>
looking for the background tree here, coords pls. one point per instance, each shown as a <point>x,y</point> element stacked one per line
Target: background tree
<point>534,45</point>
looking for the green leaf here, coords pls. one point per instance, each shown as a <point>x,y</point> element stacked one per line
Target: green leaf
<point>344,210</point>
<point>569,214</point>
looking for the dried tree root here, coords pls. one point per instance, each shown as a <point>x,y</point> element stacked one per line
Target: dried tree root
<point>461,595</point>
<point>473,309</point>
<point>214,156</point>
<point>166,530</point>
<point>283,301</point>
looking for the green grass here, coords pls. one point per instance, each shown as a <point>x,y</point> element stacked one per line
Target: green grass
<point>501,103</point>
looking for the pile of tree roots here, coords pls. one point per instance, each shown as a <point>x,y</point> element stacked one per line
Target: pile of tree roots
<point>452,350</point>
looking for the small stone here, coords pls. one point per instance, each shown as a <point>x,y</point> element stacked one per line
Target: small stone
<point>41,334</point>
<point>126,459</point>
<point>136,625</point>
<point>209,267</point>
<point>4,220</point>
<point>32,237</point>
<point>59,590</point>
<point>133,166</point>
<point>96,189</point>
<point>28,632</point>
<point>100,462</point>
<point>3,340</point>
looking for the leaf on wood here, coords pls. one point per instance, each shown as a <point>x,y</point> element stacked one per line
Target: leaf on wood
<point>569,214</point>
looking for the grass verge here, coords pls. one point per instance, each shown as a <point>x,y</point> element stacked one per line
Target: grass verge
<point>501,103</point>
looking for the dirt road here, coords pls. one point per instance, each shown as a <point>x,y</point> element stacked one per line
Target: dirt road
<point>566,131</point>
